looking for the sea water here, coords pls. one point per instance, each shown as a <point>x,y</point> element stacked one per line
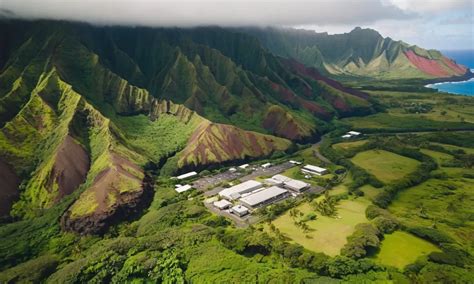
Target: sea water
<point>466,58</point>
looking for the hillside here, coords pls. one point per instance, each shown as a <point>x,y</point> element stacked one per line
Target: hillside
<point>359,53</point>
<point>83,109</point>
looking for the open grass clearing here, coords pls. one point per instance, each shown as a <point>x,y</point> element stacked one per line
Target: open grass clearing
<point>384,165</point>
<point>369,191</point>
<point>327,234</point>
<point>400,249</point>
<point>439,157</point>
<point>454,148</point>
<point>349,145</point>
<point>446,204</point>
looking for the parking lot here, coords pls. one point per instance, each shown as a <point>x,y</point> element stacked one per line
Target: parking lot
<point>206,183</point>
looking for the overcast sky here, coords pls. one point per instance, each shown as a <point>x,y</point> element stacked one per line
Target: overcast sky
<point>440,24</point>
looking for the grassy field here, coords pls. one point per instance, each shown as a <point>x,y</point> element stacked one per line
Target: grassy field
<point>348,145</point>
<point>446,204</point>
<point>439,157</point>
<point>328,235</point>
<point>384,165</point>
<point>400,249</point>
<point>369,191</point>
<point>453,147</point>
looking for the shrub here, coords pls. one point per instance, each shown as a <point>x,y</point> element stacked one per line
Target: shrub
<point>386,225</point>
<point>364,239</point>
<point>430,234</point>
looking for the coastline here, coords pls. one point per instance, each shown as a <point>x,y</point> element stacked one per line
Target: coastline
<point>468,77</point>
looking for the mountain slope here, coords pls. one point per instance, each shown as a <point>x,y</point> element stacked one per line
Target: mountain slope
<point>359,53</point>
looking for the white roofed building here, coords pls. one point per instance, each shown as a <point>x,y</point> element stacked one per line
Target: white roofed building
<point>346,136</point>
<point>315,170</point>
<point>266,165</point>
<point>264,196</point>
<point>236,191</point>
<point>296,185</point>
<point>183,188</point>
<point>187,175</point>
<point>244,166</point>
<point>222,204</point>
<point>240,210</point>
<point>354,133</point>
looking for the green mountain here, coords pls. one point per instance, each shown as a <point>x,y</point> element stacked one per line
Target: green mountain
<point>359,53</point>
<point>84,109</point>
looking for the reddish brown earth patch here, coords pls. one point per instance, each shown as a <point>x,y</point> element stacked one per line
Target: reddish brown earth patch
<point>9,193</point>
<point>277,122</point>
<point>314,74</point>
<point>315,109</point>
<point>71,167</point>
<point>125,203</point>
<point>215,143</point>
<point>428,66</point>
<point>457,68</point>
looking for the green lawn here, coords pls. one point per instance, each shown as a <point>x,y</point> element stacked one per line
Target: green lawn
<point>438,156</point>
<point>348,145</point>
<point>369,191</point>
<point>384,165</point>
<point>328,234</point>
<point>400,249</point>
<point>453,148</point>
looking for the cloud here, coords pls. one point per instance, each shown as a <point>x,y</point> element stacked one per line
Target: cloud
<point>210,12</point>
<point>432,6</point>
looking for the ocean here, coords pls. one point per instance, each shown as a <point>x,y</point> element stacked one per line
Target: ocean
<point>466,58</point>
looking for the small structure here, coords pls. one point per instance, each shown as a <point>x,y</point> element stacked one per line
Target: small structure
<point>236,191</point>
<point>295,162</point>
<point>187,175</point>
<point>266,165</point>
<point>232,170</point>
<point>222,204</point>
<point>314,170</point>
<point>296,185</point>
<point>244,166</point>
<point>264,196</point>
<point>351,134</point>
<point>183,188</point>
<point>239,210</point>
<point>354,133</point>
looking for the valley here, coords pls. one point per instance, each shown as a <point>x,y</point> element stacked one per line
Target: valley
<point>98,124</point>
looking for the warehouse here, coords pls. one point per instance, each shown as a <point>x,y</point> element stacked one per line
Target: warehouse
<point>183,188</point>
<point>314,170</point>
<point>236,191</point>
<point>296,185</point>
<point>222,204</point>
<point>186,175</point>
<point>264,196</point>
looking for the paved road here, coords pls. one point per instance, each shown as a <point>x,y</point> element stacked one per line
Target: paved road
<point>318,154</point>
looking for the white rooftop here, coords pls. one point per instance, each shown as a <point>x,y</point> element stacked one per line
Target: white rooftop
<point>244,166</point>
<point>355,133</point>
<point>222,203</point>
<point>273,181</point>
<point>295,162</point>
<point>315,168</point>
<point>266,165</point>
<point>186,175</point>
<point>346,136</point>
<point>263,195</point>
<point>296,184</point>
<point>183,188</point>
<point>240,209</point>
<point>235,191</point>
<point>281,178</point>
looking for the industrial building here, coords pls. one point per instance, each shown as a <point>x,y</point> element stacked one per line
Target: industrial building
<point>239,210</point>
<point>314,170</point>
<point>222,204</point>
<point>264,196</point>
<point>236,191</point>
<point>296,185</point>
<point>187,175</point>
<point>183,188</point>
<point>289,183</point>
<point>266,165</point>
